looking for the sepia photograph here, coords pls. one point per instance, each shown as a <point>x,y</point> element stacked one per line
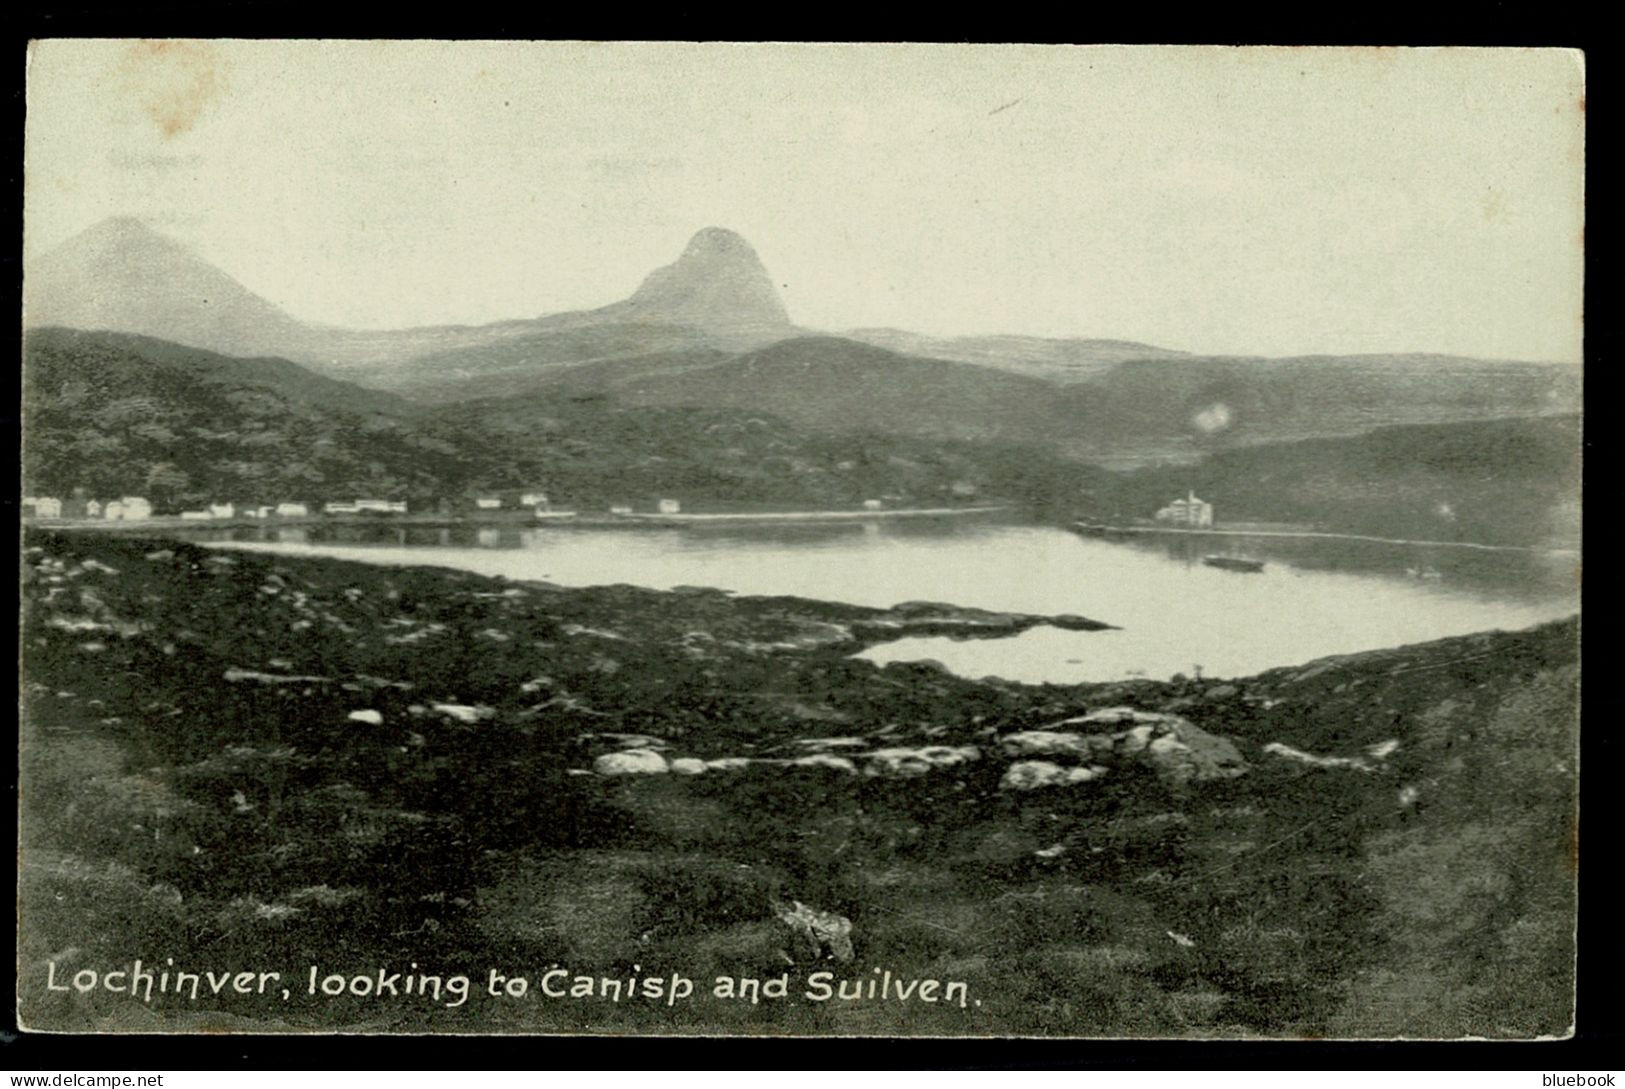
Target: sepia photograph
<point>669,539</point>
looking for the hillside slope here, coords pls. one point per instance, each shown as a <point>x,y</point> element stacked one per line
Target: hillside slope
<point>835,385</point>
<point>114,414</point>
<point>284,759</point>
<point>1513,481</point>
<point>1059,359</point>
<point>1205,403</point>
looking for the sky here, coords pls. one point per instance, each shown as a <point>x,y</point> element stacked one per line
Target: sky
<point>1267,201</point>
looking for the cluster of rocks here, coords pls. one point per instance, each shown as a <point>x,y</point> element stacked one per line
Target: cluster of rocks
<point>1177,751</point>
<point>815,935</point>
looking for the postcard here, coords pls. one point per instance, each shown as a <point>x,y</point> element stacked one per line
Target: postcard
<point>666,539</point>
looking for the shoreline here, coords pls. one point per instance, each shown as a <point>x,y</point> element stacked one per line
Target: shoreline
<point>1091,530</point>
<point>700,518</point>
<point>561,519</point>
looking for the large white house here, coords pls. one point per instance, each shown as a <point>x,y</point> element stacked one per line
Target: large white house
<point>669,506</point>
<point>222,510</point>
<point>292,510</point>
<point>1189,511</point>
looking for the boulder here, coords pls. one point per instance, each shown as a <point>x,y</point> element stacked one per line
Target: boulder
<point>1132,742</point>
<point>687,765</point>
<point>1183,753</point>
<point>1173,747</point>
<point>1038,774</point>
<point>815,935</point>
<point>626,741</point>
<point>463,712</point>
<point>1382,750</point>
<point>904,763</point>
<point>631,762</point>
<point>1053,743</point>
<point>1351,763</point>
<point>371,718</point>
<point>824,760</point>
<point>1110,716</point>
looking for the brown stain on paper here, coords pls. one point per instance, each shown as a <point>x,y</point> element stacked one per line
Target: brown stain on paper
<point>173,82</point>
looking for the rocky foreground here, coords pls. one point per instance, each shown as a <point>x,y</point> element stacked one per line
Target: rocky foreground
<point>251,760</point>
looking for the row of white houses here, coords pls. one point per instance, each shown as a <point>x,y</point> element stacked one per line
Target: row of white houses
<point>135,508</point>
<point>132,508</point>
<point>129,508</point>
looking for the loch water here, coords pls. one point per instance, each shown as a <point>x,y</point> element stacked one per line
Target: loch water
<point>1173,612</point>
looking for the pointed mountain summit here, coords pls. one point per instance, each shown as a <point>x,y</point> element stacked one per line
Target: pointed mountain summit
<point>123,276</point>
<point>718,284</point>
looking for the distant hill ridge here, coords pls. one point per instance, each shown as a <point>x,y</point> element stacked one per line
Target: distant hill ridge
<point>710,329</point>
<point>123,276</point>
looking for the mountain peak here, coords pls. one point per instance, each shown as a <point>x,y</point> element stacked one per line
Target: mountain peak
<point>123,275</point>
<point>127,226</point>
<point>118,237</point>
<point>718,240</point>
<point>717,283</point>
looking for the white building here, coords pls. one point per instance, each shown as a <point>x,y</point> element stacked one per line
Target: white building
<point>339,507</point>
<point>292,510</point>
<point>43,506</point>
<point>222,510</point>
<point>620,508</point>
<point>486,502</point>
<point>132,508</point>
<point>114,511</point>
<point>534,499</point>
<point>1190,511</point>
<point>381,506</point>
<point>93,509</point>
<point>195,516</point>
<point>669,506</point>
<point>872,504</point>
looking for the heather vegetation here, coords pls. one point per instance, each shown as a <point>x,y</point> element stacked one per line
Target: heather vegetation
<point>115,415</point>
<point>270,763</point>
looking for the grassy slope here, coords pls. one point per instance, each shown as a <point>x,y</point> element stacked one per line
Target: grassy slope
<point>169,811</point>
<point>121,415</point>
<point>1497,481</point>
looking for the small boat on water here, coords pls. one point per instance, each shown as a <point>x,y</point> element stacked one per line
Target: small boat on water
<point>1230,563</point>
